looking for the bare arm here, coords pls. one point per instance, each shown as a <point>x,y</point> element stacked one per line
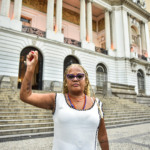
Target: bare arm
<point>102,136</point>
<point>46,101</point>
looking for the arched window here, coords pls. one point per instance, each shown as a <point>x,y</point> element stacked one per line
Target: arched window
<point>101,75</point>
<point>141,83</point>
<point>37,77</point>
<point>70,60</point>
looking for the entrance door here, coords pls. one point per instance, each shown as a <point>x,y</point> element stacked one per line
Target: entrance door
<point>37,77</point>
<point>141,83</point>
<point>101,76</point>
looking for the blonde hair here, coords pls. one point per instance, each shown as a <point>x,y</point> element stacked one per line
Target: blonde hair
<point>87,86</point>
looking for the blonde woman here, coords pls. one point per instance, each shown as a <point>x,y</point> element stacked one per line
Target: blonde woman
<point>77,117</point>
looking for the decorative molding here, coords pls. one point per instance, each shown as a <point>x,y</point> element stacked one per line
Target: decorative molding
<point>147,67</point>
<point>131,5</point>
<point>133,66</point>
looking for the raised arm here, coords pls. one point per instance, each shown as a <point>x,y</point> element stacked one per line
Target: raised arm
<point>102,136</point>
<point>46,101</point>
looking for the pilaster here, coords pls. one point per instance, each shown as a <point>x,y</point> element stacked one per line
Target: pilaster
<point>147,40</point>
<point>143,38</point>
<point>126,34</point>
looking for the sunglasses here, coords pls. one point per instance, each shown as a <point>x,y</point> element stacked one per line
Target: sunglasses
<point>79,76</point>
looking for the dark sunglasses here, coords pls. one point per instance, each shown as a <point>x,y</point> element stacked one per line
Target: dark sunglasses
<point>79,76</point>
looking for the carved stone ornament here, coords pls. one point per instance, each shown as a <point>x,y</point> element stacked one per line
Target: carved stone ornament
<point>133,66</point>
<point>147,67</point>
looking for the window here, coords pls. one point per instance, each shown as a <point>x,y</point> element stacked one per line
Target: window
<point>101,75</point>
<point>26,21</point>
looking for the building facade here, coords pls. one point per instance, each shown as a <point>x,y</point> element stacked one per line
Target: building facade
<point>147,2</point>
<point>110,38</point>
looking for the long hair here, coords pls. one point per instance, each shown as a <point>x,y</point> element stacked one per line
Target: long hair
<point>87,83</point>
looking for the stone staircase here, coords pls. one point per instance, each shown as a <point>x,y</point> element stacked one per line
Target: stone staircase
<point>18,119</point>
<point>143,99</point>
<point>123,112</point>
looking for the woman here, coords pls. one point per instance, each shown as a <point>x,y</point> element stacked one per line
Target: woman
<point>77,119</point>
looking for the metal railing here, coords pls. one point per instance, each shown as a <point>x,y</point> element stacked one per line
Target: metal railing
<point>72,42</point>
<point>32,30</point>
<point>101,50</point>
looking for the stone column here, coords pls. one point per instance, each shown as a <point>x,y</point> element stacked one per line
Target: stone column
<point>89,22</point>
<point>59,16</point>
<point>5,5</point>
<point>129,26</point>
<point>126,34</point>
<point>143,37</point>
<point>86,43</point>
<point>82,21</point>
<point>16,24</point>
<point>50,33</point>
<point>147,40</point>
<point>107,30</point>
<point>4,15</point>
<point>50,14</point>
<point>17,9</point>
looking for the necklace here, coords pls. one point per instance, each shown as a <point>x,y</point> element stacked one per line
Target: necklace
<point>73,105</point>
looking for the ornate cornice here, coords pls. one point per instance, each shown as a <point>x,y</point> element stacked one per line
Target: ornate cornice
<point>130,4</point>
<point>139,61</point>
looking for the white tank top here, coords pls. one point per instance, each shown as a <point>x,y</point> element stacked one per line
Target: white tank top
<point>75,129</point>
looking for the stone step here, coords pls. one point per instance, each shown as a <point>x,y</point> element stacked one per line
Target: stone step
<point>35,109</point>
<point>18,121</point>
<point>125,115</point>
<point>25,117</point>
<point>25,135</point>
<point>126,118</point>
<point>26,130</point>
<point>9,106</point>
<point>123,112</point>
<point>126,124</point>
<point>29,125</point>
<point>26,113</point>
<point>126,121</point>
<point>143,101</point>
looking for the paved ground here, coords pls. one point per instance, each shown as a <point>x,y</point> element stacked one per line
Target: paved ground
<point>135,137</point>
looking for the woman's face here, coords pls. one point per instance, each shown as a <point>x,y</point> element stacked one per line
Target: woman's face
<point>76,85</point>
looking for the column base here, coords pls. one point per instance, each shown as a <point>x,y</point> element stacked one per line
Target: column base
<point>5,22</point>
<point>112,52</point>
<point>133,55</point>
<point>54,86</point>
<point>87,45</point>
<point>16,25</point>
<point>55,36</point>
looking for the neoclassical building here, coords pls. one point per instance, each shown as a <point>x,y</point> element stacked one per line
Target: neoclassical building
<point>110,38</point>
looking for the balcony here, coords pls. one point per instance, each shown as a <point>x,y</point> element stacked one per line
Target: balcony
<point>142,57</point>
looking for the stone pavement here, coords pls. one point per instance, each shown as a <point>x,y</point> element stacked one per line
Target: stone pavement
<point>136,137</point>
